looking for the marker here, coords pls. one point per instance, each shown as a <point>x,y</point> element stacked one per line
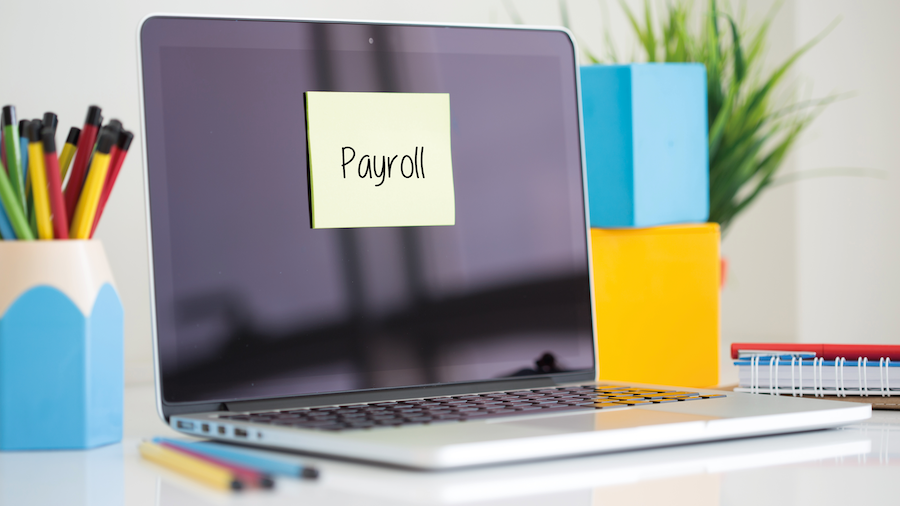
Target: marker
<point>82,155</point>
<point>13,210</point>
<point>86,209</point>
<point>265,464</point>
<point>68,152</point>
<point>50,119</point>
<point>13,155</point>
<point>54,185</point>
<point>206,472</point>
<point>245,474</point>
<point>39,181</point>
<point>117,158</point>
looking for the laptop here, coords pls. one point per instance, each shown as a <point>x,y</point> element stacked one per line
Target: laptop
<point>452,341</point>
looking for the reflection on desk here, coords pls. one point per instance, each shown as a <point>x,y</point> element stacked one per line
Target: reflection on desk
<point>801,468</point>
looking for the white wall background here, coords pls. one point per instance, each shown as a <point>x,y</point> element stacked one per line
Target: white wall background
<point>811,261</point>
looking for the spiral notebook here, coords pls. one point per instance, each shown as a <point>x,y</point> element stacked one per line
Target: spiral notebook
<point>810,375</point>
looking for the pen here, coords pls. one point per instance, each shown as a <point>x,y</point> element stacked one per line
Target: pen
<point>68,152</point>
<point>54,185</point>
<point>245,474</point>
<point>39,181</point>
<point>206,472</point>
<point>82,155</point>
<point>13,210</point>
<point>13,154</point>
<point>86,209</point>
<point>117,158</point>
<point>269,465</point>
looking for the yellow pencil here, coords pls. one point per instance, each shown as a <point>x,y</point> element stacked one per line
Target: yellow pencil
<point>86,209</point>
<point>68,152</point>
<point>200,470</point>
<point>38,176</point>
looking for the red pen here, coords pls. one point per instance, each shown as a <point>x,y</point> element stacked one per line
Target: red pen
<point>54,185</point>
<point>79,167</point>
<point>116,159</point>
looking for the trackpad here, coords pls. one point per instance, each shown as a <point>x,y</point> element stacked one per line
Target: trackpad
<point>608,420</point>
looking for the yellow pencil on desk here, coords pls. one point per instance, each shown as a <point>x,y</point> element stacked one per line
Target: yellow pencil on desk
<point>200,470</point>
<point>38,176</point>
<point>83,220</point>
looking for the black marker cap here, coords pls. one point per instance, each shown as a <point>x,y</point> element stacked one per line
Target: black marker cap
<point>51,120</point>
<point>9,115</point>
<point>93,116</point>
<point>47,136</point>
<point>34,131</point>
<point>74,134</point>
<point>125,139</point>
<point>114,123</point>
<point>23,125</point>
<point>107,139</point>
<point>309,473</point>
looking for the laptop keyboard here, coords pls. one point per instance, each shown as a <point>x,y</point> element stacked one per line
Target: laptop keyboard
<point>466,407</point>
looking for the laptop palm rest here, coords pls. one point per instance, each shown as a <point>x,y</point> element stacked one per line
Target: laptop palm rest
<point>610,420</point>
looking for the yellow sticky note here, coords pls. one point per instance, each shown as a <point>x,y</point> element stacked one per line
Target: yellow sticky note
<point>379,159</point>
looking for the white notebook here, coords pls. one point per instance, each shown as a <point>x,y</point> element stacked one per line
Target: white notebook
<point>797,375</point>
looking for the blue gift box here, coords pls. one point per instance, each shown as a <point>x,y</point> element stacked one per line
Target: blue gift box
<point>646,147</point>
<point>61,370</point>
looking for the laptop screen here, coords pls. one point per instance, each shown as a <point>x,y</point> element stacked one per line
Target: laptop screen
<point>252,302</point>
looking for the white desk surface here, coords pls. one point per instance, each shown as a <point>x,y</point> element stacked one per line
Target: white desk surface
<point>859,464</point>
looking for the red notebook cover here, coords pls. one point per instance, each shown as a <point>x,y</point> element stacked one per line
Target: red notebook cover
<point>826,351</point>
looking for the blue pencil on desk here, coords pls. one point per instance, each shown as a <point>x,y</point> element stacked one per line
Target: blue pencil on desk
<point>269,465</point>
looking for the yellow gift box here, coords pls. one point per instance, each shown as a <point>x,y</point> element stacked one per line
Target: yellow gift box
<point>656,292</point>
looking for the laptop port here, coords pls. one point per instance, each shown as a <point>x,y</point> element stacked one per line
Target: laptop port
<point>222,430</point>
<point>205,427</point>
<point>185,425</point>
<point>240,432</point>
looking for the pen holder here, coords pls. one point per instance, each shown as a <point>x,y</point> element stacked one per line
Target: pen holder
<point>61,349</point>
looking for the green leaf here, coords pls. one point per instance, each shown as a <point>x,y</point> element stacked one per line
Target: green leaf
<point>739,69</point>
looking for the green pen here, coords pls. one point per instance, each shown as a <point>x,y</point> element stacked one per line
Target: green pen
<point>13,210</point>
<point>13,154</point>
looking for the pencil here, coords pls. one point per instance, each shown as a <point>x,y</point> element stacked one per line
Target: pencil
<point>68,152</point>
<point>206,472</point>
<point>13,210</point>
<point>54,185</point>
<point>82,156</point>
<point>50,119</point>
<point>266,464</point>
<point>117,158</point>
<point>245,474</point>
<point>86,209</point>
<point>13,154</point>
<point>23,153</point>
<point>6,230</point>
<point>38,174</point>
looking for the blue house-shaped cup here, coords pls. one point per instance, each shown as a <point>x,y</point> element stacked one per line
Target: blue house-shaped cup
<point>61,330</point>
